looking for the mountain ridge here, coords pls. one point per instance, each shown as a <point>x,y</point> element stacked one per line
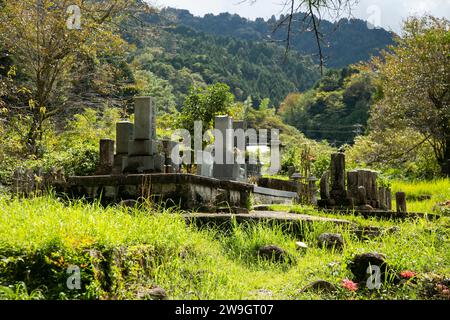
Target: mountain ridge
<point>349,40</point>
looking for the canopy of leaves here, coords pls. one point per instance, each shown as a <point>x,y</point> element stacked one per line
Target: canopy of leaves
<point>414,79</point>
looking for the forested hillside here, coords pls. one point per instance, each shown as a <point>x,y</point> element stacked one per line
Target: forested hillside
<point>188,50</point>
<point>336,109</point>
<point>346,42</point>
<point>185,57</point>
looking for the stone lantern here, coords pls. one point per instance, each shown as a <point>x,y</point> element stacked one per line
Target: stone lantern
<point>297,177</point>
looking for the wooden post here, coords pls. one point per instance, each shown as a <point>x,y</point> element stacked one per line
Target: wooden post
<point>401,202</point>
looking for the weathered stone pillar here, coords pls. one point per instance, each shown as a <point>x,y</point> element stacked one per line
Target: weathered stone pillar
<point>312,189</point>
<point>362,196</point>
<point>143,154</point>
<point>106,156</point>
<point>224,167</point>
<point>400,198</point>
<point>29,182</point>
<point>382,198</point>
<point>388,199</point>
<point>145,118</point>
<point>325,186</point>
<point>373,185</point>
<point>338,191</point>
<point>124,134</point>
<point>352,184</point>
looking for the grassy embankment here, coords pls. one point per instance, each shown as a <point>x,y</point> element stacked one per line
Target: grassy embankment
<point>122,253</point>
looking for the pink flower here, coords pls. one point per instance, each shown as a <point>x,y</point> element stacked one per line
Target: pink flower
<point>407,274</point>
<point>350,285</point>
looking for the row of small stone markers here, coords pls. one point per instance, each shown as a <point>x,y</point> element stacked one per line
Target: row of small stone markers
<point>361,190</point>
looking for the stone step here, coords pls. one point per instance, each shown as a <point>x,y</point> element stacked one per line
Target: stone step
<point>262,207</point>
<point>293,223</point>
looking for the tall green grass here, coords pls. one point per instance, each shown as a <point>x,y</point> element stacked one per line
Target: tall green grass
<point>438,191</point>
<point>143,248</point>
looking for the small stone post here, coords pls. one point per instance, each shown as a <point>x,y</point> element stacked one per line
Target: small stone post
<point>388,199</point>
<point>401,202</point>
<point>362,196</point>
<point>325,186</point>
<point>124,134</point>
<point>106,156</point>
<point>382,198</point>
<point>312,190</point>
<point>352,184</point>
<point>338,191</point>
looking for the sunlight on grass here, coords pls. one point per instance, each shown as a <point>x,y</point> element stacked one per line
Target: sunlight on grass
<point>147,248</point>
<point>423,196</point>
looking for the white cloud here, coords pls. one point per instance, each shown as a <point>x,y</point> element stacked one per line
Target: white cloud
<point>392,12</point>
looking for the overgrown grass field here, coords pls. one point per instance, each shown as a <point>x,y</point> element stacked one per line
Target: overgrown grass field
<point>123,252</point>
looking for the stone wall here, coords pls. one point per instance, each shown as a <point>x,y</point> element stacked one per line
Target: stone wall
<point>189,192</point>
<point>184,190</point>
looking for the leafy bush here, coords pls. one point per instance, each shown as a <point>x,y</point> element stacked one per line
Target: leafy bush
<point>396,153</point>
<point>73,148</point>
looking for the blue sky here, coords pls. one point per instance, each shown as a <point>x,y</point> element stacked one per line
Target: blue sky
<point>386,13</point>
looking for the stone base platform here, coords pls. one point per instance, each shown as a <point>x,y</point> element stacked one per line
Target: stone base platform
<point>186,191</point>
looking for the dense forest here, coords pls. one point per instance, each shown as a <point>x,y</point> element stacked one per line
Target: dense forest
<point>236,51</point>
<point>347,41</point>
<point>185,57</point>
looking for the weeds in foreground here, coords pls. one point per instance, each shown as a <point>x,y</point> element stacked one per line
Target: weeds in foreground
<point>122,252</point>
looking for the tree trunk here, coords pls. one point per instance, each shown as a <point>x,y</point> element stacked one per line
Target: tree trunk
<point>34,136</point>
<point>445,163</point>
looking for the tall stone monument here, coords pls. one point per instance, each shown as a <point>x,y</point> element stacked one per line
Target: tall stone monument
<point>143,152</point>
